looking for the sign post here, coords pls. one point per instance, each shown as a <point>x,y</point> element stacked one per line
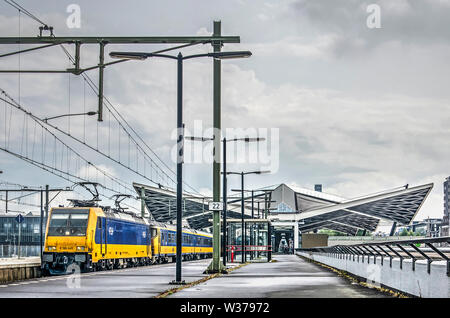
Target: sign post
<point>19,219</point>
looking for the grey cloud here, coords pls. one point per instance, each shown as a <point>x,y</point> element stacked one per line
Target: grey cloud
<point>405,21</point>
<point>340,122</point>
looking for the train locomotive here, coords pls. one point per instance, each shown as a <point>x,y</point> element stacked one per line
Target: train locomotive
<point>88,237</point>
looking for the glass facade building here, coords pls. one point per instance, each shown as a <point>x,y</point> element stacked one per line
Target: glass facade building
<point>29,235</point>
<point>445,231</point>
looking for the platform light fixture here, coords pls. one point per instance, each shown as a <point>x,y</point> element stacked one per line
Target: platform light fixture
<point>180,127</point>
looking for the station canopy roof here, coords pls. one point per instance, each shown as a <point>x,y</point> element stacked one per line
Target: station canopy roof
<point>312,209</point>
<point>317,210</point>
<point>161,203</point>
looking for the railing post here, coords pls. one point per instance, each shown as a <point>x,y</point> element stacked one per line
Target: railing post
<point>410,255</point>
<point>395,252</point>
<point>448,268</point>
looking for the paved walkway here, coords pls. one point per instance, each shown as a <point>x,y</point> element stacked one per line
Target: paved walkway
<point>137,282</point>
<point>9,262</point>
<point>288,277</point>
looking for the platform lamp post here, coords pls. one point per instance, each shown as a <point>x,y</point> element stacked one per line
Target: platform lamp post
<point>242,174</point>
<point>224,186</point>
<point>180,127</point>
<point>70,115</point>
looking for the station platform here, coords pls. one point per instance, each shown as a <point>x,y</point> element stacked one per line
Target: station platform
<point>288,276</point>
<point>16,269</point>
<point>13,261</point>
<point>135,282</point>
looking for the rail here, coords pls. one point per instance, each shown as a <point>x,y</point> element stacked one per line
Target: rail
<point>402,249</point>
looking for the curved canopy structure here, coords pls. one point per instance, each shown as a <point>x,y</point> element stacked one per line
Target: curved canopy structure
<point>312,210</point>
<point>161,203</point>
<point>317,210</point>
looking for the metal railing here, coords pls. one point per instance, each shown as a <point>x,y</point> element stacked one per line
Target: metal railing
<point>402,249</point>
<point>372,238</point>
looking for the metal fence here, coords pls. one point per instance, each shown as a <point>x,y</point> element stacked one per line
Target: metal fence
<point>430,249</point>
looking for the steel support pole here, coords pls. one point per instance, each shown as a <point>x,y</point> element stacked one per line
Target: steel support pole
<point>242,219</point>
<point>77,56</point>
<point>41,225</point>
<point>216,162</point>
<point>269,242</point>
<point>46,201</point>
<point>258,210</point>
<point>20,230</point>
<point>179,168</point>
<point>143,202</point>
<point>216,265</point>
<point>224,222</point>
<point>100,80</point>
<point>253,205</point>
<point>265,205</point>
<point>394,226</point>
<point>251,226</point>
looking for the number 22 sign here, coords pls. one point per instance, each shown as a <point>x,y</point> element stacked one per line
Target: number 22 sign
<point>215,206</point>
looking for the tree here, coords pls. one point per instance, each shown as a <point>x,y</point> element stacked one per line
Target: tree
<point>404,232</point>
<point>331,232</point>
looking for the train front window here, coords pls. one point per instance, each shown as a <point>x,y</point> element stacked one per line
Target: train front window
<point>68,222</point>
<point>58,224</point>
<point>78,224</point>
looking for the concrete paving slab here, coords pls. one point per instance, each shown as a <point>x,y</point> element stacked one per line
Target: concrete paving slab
<point>138,282</point>
<point>288,277</point>
<point>8,262</point>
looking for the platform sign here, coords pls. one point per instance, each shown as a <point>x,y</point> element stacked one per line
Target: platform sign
<point>215,206</point>
<point>20,218</point>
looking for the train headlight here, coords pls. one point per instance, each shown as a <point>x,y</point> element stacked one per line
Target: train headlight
<point>80,248</point>
<point>52,248</point>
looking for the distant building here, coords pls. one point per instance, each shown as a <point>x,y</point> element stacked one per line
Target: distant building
<point>446,220</point>
<point>318,187</point>
<point>431,227</point>
<point>29,237</point>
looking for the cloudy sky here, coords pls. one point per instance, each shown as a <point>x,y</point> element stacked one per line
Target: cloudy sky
<point>357,109</point>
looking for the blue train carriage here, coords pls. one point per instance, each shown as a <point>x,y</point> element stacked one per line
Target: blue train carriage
<point>94,238</point>
<point>195,244</point>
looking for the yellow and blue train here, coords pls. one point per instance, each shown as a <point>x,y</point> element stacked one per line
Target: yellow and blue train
<point>100,238</point>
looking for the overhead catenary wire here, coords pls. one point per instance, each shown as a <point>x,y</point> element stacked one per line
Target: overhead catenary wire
<point>117,116</point>
<point>19,107</point>
<point>25,11</point>
<point>95,89</point>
